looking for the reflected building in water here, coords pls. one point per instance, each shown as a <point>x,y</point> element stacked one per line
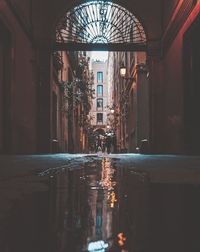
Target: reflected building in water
<point>83,205</point>
<point>100,207</point>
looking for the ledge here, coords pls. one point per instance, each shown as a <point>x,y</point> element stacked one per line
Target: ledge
<point>180,15</point>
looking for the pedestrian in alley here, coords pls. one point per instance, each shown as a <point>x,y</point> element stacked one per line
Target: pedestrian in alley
<point>108,144</point>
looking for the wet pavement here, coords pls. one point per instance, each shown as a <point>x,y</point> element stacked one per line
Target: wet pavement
<point>125,203</point>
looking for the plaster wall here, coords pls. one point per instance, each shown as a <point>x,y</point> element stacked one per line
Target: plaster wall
<point>23,86</point>
<point>173,90</point>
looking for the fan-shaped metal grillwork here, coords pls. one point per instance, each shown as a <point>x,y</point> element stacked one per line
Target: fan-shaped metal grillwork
<point>100,22</point>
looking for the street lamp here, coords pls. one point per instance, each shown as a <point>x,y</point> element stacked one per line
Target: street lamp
<point>123,72</point>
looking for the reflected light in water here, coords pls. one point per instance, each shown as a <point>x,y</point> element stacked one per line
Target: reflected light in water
<point>121,239</point>
<point>107,175</point>
<point>113,199</point>
<point>99,246</point>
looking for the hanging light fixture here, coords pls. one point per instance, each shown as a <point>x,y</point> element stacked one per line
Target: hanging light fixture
<point>123,71</point>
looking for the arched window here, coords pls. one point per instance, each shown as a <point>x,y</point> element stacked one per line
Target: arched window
<point>101,22</point>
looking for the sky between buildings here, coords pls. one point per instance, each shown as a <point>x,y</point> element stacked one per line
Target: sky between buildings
<point>99,55</point>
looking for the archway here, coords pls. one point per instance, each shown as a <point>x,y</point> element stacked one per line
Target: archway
<point>103,25</point>
<point>100,131</point>
<point>100,25</point>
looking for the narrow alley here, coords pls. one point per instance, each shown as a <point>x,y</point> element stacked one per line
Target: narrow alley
<point>99,126</point>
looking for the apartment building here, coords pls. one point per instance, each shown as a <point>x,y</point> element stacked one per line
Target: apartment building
<point>100,102</point>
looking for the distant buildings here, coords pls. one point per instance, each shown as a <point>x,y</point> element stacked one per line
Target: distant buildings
<point>98,110</point>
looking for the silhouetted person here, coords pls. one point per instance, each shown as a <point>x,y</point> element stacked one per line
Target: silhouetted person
<point>108,144</point>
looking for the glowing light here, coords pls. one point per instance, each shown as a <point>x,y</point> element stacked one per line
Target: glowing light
<point>107,175</point>
<point>121,239</point>
<point>113,199</point>
<point>98,246</point>
<point>122,71</point>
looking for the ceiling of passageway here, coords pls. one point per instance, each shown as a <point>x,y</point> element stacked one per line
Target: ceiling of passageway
<point>100,22</point>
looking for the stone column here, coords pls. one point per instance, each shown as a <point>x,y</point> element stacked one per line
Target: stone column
<point>156,96</point>
<point>143,104</point>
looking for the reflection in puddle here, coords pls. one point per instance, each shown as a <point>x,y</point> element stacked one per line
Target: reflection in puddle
<point>87,199</point>
<point>100,208</point>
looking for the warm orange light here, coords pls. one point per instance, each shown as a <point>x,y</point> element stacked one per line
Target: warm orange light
<point>120,243</point>
<point>113,199</point>
<point>121,240</point>
<point>122,71</point>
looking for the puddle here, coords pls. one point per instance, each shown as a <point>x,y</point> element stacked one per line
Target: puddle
<point>99,208</point>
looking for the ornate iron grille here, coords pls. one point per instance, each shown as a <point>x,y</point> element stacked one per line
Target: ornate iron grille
<point>100,22</point>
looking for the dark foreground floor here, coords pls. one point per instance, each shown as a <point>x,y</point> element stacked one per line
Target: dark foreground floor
<point>74,203</point>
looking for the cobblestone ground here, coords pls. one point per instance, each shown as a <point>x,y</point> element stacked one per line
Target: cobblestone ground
<point>124,202</point>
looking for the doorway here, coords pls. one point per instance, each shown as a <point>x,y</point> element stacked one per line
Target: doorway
<point>5,83</point>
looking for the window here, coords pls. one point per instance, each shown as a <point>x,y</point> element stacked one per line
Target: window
<point>100,103</point>
<point>99,118</point>
<point>100,77</point>
<point>100,90</point>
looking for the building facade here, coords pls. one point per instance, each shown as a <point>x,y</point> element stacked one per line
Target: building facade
<point>131,101</point>
<point>98,111</point>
